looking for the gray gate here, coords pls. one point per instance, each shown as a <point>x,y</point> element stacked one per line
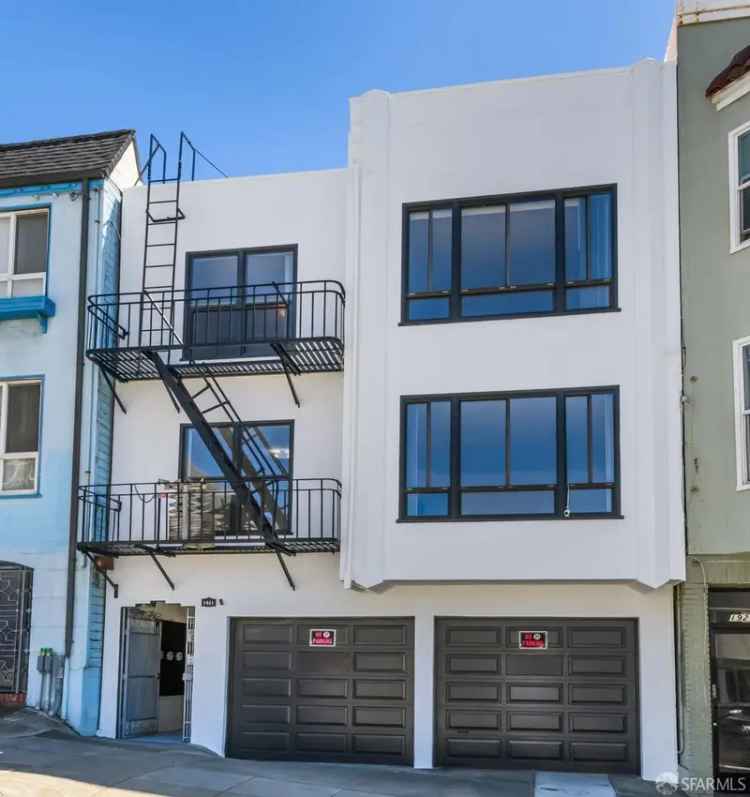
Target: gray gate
<point>140,662</point>
<point>15,624</point>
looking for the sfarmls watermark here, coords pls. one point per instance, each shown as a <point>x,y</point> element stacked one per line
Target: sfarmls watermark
<point>669,782</point>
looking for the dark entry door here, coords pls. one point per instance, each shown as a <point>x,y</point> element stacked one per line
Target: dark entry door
<point>15,618</point>
<point>139,679</point>
<point>731,696</point>
<point>537,694</point>
<point>322,689</point>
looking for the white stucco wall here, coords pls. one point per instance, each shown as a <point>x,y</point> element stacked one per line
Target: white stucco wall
<point>254,586</point>
<point>563,131</point>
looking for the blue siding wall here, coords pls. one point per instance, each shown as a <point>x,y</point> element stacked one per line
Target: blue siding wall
<point>109,262</point>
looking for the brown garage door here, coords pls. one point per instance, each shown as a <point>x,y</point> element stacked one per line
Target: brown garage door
<point>570,706</point>
<point>347,701</point>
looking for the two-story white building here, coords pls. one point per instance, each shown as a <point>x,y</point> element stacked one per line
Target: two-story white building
<point>438,393</point>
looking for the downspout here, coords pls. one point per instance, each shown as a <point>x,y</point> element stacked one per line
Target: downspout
<point>77,420</point>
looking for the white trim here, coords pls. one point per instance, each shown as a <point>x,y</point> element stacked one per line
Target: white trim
<point>733,137</point>
<point>740,428</point>
<point>8,278</point>
<point>736,89</point>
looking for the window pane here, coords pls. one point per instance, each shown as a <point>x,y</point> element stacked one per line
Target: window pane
<point>743,156</point>
<point>483,247</point>
<point>31,243</point>
<point>577,442</point>
<point>483,443</point>
<point>532,243</point>
<point>416,445</point>
<point>18,474</point>
<point>4,246</point>
<point>268,267</point>
<point>600,223</point>
<point>440,444</point>
<point>516,303</point>
<point>427,505</point>
<point>418,248</point>
<point>218,271</point>
<point>23,418</point>
<point>268,449</point>
<point>746,375</point>
<point>422,309</point>
<point>576,236</point>
<point>522,502</point>
<point>602,437</point>
<point>197,461</point>
<point>442,238</point>
<point>587,298</point>
<point>32,287</point>
<point>533,441</point>
<point>745,211</point>
<point>583,501</point>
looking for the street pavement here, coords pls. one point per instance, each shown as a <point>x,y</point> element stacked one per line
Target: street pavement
<point>40,757</point>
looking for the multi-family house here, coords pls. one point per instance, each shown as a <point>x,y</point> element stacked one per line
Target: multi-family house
<point>397,459</point>
<point>59,219</point>
<point>710,42</point>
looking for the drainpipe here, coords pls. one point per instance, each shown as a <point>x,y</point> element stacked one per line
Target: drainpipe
<point>76,464</point>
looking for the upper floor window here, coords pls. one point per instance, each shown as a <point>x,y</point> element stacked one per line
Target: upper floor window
<point>239,299</point>
<point>742,410</point>
<point>20,404</point>
<point>546,454</point>
<point>739,177</point>
<point>23,253</point>
<point>510,256</point>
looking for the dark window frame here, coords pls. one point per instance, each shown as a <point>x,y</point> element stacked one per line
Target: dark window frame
<point>558,288</point>
<point>242,254</point>
<point>455,489</point>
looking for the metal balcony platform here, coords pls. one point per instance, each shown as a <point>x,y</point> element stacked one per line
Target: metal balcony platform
<point>240,330</point>
<point>305,356</point>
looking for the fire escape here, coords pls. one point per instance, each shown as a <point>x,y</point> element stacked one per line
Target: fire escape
<point>188,339</point>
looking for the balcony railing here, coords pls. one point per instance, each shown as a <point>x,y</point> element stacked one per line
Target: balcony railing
<point>237,330</point>
<point>204,516</point>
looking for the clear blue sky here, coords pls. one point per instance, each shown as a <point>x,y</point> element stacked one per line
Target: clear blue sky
<point>262,85</point>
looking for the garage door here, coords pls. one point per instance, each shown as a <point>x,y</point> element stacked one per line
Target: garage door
<point>548,694</point>
<point>322,689</point>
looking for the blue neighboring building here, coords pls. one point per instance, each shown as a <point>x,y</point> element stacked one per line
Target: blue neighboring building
<point>59,243</point>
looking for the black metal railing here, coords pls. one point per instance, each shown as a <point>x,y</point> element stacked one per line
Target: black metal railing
<point>204,515</point>
<point>301,321</point>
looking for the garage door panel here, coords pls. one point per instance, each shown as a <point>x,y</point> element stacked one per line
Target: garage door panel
<point>317,687</point>
<point>534,721</point>
<point>349,701</point>
<point>380,690</point>
<point>570,705</point>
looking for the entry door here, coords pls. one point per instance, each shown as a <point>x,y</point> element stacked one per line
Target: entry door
<point>15,613</point>
<point>731,695</point>
<point>141,661</point>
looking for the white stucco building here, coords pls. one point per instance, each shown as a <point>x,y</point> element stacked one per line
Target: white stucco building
<point>482,480</point>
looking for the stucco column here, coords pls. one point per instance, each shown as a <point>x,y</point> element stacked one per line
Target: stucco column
<point>424,689</point>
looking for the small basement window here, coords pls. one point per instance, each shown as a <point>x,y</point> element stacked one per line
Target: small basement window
<point>23,253</point>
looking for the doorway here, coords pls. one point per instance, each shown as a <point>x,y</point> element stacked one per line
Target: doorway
<point>730,681</point>
<point>15,628</point>
<point>156,668</point>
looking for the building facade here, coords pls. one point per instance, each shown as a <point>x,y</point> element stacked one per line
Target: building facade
<point>714,602</point>
<point>59,220</point>
<point>439,389</point>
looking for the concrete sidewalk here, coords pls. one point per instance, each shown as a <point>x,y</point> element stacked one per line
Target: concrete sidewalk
<point>57,763</point>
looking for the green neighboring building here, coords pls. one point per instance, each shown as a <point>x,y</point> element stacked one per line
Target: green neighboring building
<point>713,607</point>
